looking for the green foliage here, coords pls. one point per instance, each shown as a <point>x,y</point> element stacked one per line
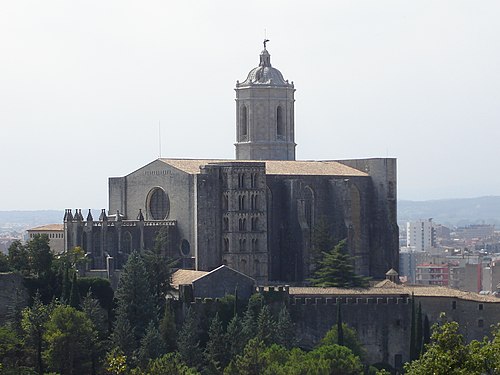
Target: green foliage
<point>216,349</point>
<point>134,298</point>
<point>322,240</point>
<point>235,337</point>
<point>170,364</point>
<point>66,286</point>
<point>340,359</point>
<point>152,345</point>
<point>69,338</point>
<point>10,348</point>
<point>33,325</point>
<point>40,255</point>
<point>4,263</point>
<point>351,340</point>
<point>74,296</point>
<point>116,363</point>
<point>168,329</point>
<point>100,289</point>
<point>249,325</point>
<point>122,337</point>
<point>19,258</point>
<point>266,326</point>
<point>159,268</point>
<point>448,354</point>
<point>98,316</point>
<point>285,329</point>
<point>336,269</point>
<point>188,341</point>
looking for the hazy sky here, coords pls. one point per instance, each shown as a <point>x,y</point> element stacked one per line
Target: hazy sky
<point>83,85</point>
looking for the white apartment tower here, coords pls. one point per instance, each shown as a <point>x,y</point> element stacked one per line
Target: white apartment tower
<point>420,235</point>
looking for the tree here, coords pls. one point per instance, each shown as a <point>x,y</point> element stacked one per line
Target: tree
<point>10,348</point>
<point>66,286</point>
<point>170,364</point>
<point>19,258</point>
<point>350,341</point>
<point>235,337</point>
<point>447,354</point>
<point>216,350</point>
<point>340,359</point>
<point>188,342</point>
<point>98,316</point>
<point>4,263</point>
<point>74,296</point>
<point>266,326</point>
<point>134,298</point>
<point>168,329</point>
<point>69,337</point>
<point>322,240</point>
<point>285,329</point>
<point>251,362</point>
<point>40,255</point>
<point>152,345</point>
<point>249,325</point>
<point>336,269</point>
<point>159,267</point>
<point>122,337</point>
<point>340,328</point>
<point>33,325</point>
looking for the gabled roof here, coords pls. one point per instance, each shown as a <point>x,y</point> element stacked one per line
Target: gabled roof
<point>273,167</point>
<point>181,277</point>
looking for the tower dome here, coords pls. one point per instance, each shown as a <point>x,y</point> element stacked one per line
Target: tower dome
<point>265,114</point>
<point>265,74</point>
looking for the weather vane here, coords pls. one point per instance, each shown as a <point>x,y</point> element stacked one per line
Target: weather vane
<point>265,41</point>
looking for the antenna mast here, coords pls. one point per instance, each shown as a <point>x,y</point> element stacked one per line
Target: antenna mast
<point>159,139</point>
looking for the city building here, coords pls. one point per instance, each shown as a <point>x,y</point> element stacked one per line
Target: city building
<point>55,233</point>
<point>420,235</point>
<point>432,274</point>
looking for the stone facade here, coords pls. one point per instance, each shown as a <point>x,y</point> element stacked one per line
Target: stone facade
<point>255,214</point>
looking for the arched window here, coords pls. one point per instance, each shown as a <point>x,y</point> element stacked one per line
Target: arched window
<point>253,201</point>
<point>241,202</point>
<point>241,180</point>
<point>158,204</point>
<point>226,245</point>
<point>243,123</point>
<point>254,223</point>
<point>225,202</point>
<point>255,244</point>
<point>256,265</point>
<point>127,243</point>
<point>243,244</point>
<point>280,124</point>
<point>253,180</point>
<point>309,206</point>
<point>242,225</point>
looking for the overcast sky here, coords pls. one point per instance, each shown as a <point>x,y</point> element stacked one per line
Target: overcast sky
<point>83,85</point>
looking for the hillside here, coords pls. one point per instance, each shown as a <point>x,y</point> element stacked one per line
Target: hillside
<point>452,211</point>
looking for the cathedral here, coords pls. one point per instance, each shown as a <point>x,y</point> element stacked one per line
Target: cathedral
<point>256,213</point>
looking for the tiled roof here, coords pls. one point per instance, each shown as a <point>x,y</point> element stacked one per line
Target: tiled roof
<point>181,277</point>
<point>274,167</point>
<point>48,228</point>
<point>386,289</point>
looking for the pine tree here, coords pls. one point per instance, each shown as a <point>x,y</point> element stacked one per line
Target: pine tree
<point>235,337</point>
<point>168,329</point>
<point>340,328</point>
<point>336,269</point>
<point>216,350</point>
<point>285,329</point>
<point>98,316</point>
<point>74,296</point>
<point>134,297</point>
<point>122,337</point>
<point>249,324</point>
<point>188,342</point>
<point>266,326</point>
<point>152,345</point>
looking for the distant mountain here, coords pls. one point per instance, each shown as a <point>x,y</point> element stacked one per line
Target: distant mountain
<point>28,219</point>
<point>452,212</point>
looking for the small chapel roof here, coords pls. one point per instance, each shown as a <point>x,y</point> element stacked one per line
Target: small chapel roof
<point>274,167</point>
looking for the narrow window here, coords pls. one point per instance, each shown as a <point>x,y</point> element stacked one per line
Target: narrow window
<point>280,126</point>
<point>480,323</point>
<point>454,305</point>
<point>243,123</point>
<point>480,307</point>
<point>226,245</point>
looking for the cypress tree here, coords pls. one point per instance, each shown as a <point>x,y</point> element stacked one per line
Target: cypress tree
<point>66,286</point>
<point>74,297</point>
<point>340,328</point>
<point>412,330</point>
<point>168,329</point>
<point>122,336</point>
<point>418,332</point>
<point>426,333</point>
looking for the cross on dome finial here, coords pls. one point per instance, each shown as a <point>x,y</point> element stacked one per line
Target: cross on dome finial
<point>265,41</point>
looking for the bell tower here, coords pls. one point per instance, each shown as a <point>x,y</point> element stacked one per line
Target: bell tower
<point>265,114</point>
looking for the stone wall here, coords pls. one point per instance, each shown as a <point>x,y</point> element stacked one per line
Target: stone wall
<point>12,292</point>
